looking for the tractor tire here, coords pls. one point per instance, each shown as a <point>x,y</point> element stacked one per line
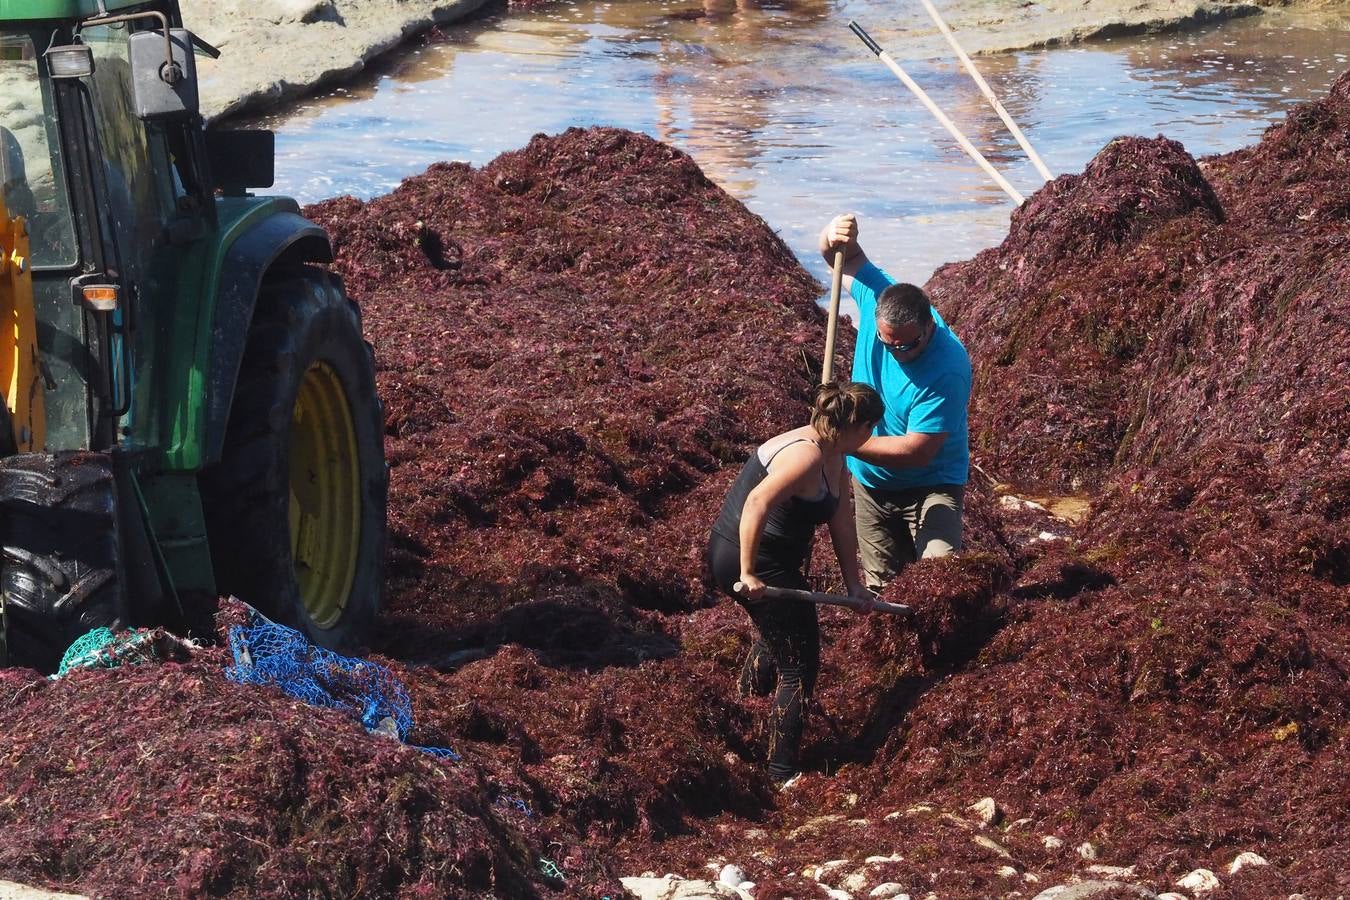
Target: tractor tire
<point>295,508</point>
<point>58,553</point>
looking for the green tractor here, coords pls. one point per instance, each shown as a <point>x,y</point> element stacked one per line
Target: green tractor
<point>189,404</point>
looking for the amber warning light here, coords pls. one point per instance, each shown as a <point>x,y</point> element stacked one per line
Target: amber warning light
<point>100,297</point>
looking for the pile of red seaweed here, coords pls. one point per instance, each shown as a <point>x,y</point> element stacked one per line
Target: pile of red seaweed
<point>577,344</point>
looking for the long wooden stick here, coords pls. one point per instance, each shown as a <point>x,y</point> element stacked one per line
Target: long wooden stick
<point>938,114</point>
<point>832,327</point>
<point>777,593</point>
<point>987,91</point>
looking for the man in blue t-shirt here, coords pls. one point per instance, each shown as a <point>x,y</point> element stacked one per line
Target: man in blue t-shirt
<point>909,478</point>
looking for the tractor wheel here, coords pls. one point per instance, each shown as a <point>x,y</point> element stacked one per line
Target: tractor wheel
<point>58,552</point>
<point>295,509</point>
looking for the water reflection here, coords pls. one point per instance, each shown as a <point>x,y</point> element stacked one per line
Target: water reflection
<point>782,106</point>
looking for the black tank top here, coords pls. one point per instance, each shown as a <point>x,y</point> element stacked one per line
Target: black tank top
<point>789,526</point>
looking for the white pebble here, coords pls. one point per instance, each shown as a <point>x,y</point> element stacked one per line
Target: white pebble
<point>991,845</point>
<point>1172,895</point>
<point>1200,881</point>
<point>985,812</point>
<point>1245,859</point>
<point>731,875</point>
<point>1087,851</point>
<point>889,891</point>
<point>1006,872</point>
<point>1051,842</point>
<point>836,894</point>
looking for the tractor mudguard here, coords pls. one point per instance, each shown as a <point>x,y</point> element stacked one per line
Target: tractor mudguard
<point>280,240</point>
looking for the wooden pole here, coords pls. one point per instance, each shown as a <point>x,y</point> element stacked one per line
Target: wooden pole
<point>832,327</point>
<point>777,593</point>
<point>938,114</point>
<point>987,91</point>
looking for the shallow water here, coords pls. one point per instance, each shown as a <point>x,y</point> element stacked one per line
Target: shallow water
<point>785,108</point>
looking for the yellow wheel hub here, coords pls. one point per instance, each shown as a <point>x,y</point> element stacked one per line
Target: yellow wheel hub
<point>325,508</point>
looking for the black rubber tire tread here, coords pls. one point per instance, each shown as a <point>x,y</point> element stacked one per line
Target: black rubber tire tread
<point>59,562</point>
<point>303,316</point>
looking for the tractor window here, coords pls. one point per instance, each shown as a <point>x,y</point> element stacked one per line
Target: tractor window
<point>138,203</point>
<point>32,179</point>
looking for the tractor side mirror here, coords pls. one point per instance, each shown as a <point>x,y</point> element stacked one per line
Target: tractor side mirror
<point>163,75</point>
<point>241,159</point>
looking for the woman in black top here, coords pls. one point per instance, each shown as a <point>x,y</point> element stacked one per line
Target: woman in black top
<point>791,484</point>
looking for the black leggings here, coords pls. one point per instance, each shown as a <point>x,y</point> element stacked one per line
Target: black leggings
<point>787,650</point>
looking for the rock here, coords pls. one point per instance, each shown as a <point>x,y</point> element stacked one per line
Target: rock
<point>756,834</point>
<point>827,869</point>
<point>889,891</point>
<point>919,809</point>
<point>836,894</point>
<point>677,889</point>
<point>893,815</point>
<point>985,812</point>
<point>856,881</point>
<point>1087,851</point>
<point>850,800</point>
<point>12,890</point>
<point>731,875</point>
<point>1112,871</point>
<point>1245,859</point>
<point>859,823</point>
<point>991,845</point>
<point>1029,878</point>
<point>1087,890</point>
<point>1172,895</point>
<point>1019,823</point>
<point>1051,842</point>
<point>882,860</point>
<point>1199,881</point>
<point>1006,872</point>
<point>746,888</point>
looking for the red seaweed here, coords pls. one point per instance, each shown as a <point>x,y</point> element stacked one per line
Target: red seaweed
<point>577,345</point>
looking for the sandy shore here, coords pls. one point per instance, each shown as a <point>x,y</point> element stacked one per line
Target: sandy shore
<point>273,51</point>
<point>277,50</point>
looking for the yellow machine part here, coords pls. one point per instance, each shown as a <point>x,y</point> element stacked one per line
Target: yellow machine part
<point>20,369</point>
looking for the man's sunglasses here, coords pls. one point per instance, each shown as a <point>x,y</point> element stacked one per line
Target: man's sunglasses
<point>905,347</point>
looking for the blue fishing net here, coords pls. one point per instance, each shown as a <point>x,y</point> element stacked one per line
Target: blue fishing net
<point>266,653</point>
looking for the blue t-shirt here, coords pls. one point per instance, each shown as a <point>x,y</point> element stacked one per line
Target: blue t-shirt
<point>928,395</point>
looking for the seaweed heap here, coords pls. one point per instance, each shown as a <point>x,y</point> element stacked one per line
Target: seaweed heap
<point>564,341</point>
<point>577,344</point>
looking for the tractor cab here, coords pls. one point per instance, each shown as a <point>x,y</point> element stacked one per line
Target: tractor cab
<point>160,312</point>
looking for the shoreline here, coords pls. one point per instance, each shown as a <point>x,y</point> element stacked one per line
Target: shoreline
<point>279,51</point>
